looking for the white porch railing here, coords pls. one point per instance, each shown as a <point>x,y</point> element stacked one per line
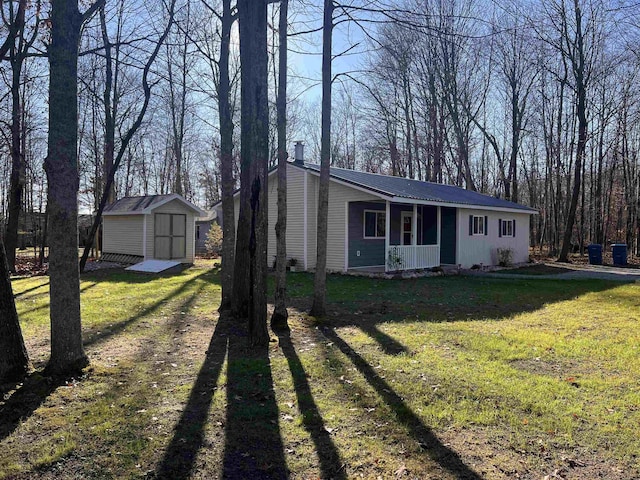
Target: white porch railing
<point>412,257</point>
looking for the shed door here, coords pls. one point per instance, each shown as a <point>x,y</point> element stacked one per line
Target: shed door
<point>170,236</point>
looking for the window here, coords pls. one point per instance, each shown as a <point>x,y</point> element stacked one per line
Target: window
<point>374,224</point>
<point>506,228</point>
<point>477,225</point>
<point>197,232</point>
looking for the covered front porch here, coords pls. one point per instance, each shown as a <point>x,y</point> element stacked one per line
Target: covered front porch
<point>398,236</point>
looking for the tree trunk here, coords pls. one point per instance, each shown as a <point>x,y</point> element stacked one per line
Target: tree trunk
<point>16,189</point>
<point>61,165</point>
<point>14,361</point>
<point>319,306</point>
<point>280,314</point>
<point>254,141</point>
<point>226,162</point>
<point>581,147</point>
<point>109,111</point>
<point>18,169</point>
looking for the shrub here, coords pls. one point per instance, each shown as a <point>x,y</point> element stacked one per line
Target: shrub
<point>213,243</point>
<point>505,257</point>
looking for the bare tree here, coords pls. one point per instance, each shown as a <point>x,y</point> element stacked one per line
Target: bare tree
<point>61,165</point>
<point>319,307</point>
<point>252,17</point>
<point>225,116</point>
<point>18,50</point>
<point>280,314</point>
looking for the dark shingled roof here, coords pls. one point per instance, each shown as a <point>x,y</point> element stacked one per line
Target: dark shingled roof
<point>418,190</point>
<point>134,204</point>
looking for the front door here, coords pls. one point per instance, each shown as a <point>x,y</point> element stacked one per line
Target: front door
<point>407,228</point>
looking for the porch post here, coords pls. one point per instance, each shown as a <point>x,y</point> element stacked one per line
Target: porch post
<point>387,230</point>
<point>439,226</point>
<point>439,231</point>
<point>414,235</point>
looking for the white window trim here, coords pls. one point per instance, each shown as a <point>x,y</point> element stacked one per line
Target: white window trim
<point>364,224</point>
<point>507,228</point>
<point>477,234</point>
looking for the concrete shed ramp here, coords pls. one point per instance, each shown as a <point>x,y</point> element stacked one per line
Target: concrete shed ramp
<point>153,266</point>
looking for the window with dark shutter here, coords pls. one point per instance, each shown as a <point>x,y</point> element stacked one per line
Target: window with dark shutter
<point>477,225</point>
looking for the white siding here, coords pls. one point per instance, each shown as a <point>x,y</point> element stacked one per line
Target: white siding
<point>338,195</point>
<point>174,206</point>
<point>295,215</point>
<point>476,249</point>
<point>336,236</point>
<point>122,234</point>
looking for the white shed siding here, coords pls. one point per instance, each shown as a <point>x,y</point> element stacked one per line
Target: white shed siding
<point>122,234</point>
<point>174,206</point>
<point>476,249</point>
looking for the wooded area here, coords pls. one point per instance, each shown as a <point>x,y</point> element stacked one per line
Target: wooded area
<point>462,92</point>
<point>535,102</point>
<point>531,101</point>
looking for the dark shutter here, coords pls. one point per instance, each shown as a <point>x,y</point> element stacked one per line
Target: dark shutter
<point>499,227</point>
<point>486,225</point>
<point>470,224</point>
<point>514,227</point>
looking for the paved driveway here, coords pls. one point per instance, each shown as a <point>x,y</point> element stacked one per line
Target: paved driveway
<point>578,272</point>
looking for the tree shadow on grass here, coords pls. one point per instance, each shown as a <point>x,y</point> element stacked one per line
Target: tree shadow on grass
<point>34,389</point>
<point>99,336</point>
<point>26,399</point>
<point>188,438</point>
<point>368,303</point>
<point>252,445</point>
<point>331,464</point>
<point>32,289</point>
<point>447,458</point>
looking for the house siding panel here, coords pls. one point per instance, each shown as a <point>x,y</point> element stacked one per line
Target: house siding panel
<point>122,234</point>
<point>371,250</point>
<point>339,195</point>
<point>295,215</point>
<point>476,249</point>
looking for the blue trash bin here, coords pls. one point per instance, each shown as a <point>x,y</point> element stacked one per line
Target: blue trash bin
<point>619,251</point>
<point>595,254</point>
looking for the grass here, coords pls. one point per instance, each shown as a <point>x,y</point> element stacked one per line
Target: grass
<point>421,378</point>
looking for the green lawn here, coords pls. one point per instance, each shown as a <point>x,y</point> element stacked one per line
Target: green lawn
<point>425,378</point>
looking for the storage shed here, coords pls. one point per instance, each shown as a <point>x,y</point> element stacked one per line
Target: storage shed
<point>158,227</point>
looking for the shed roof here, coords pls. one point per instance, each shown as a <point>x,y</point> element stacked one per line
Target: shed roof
<point>146,204</point>
<point>404,188</point>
